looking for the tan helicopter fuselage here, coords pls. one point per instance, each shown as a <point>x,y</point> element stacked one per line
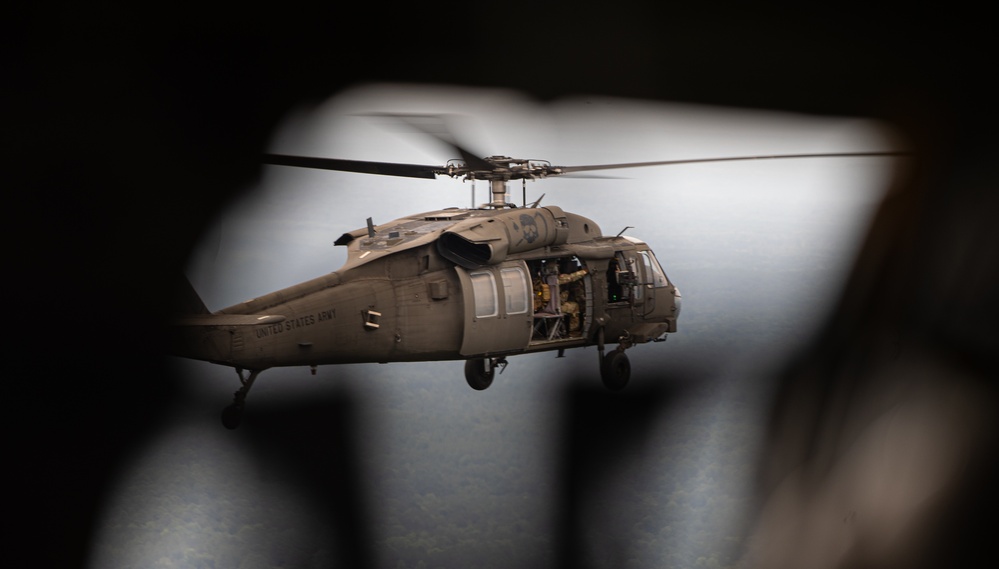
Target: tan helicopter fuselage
<point>454,284</point>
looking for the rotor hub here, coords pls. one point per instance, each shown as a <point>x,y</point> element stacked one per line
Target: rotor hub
<point>502,168</point>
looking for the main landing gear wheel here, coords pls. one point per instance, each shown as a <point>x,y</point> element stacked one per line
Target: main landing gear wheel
<point>479,372</point>
<point>615,370</point>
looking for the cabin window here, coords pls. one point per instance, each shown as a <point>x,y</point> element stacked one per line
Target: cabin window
<point>484,293</point>
<point>515,288</point>
<point>653,271</point>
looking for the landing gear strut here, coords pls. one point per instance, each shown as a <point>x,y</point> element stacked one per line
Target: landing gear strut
<point>479,372</point>
<point>232,414</point>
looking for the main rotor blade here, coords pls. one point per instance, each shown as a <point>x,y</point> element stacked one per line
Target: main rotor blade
<point>587,168</point>
<point>359,166</point>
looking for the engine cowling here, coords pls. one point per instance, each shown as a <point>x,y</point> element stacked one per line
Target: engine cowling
<point>485,241</point>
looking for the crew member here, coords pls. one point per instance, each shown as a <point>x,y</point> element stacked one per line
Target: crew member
<point>569,297</point>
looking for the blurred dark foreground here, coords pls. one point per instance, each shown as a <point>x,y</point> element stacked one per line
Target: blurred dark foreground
<point>126,134</point>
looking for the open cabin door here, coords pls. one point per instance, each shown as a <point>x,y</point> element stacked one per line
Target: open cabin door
<point>498,308</point>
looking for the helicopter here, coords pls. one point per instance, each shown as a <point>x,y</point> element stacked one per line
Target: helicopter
<point>479,284</point>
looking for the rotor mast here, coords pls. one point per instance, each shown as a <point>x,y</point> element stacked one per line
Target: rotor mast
<point>500,194</point>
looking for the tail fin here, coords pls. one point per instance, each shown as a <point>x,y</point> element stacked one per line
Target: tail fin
<point>187,301</point>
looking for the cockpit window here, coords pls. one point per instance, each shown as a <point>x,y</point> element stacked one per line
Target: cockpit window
<point>653,271</point>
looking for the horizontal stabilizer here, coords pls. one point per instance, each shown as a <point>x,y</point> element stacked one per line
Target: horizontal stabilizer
<point>227,319</point>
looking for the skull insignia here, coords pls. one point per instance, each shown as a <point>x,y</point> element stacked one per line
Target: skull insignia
<point>530,228</point>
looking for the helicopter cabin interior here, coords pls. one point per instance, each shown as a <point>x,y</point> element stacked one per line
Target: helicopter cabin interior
<point>562,299</point>
<point>557,297</point>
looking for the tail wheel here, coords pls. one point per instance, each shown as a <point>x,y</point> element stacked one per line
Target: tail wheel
<point>477,375</point>
<point>615,370</point>
<point>232,415</point>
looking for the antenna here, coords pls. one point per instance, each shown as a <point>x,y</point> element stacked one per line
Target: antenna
<point>627,227</point>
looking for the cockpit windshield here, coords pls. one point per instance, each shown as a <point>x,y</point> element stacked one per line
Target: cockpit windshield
<point>654,274</point>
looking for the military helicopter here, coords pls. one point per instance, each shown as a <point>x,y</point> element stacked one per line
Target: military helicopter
<point>478,284</point>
